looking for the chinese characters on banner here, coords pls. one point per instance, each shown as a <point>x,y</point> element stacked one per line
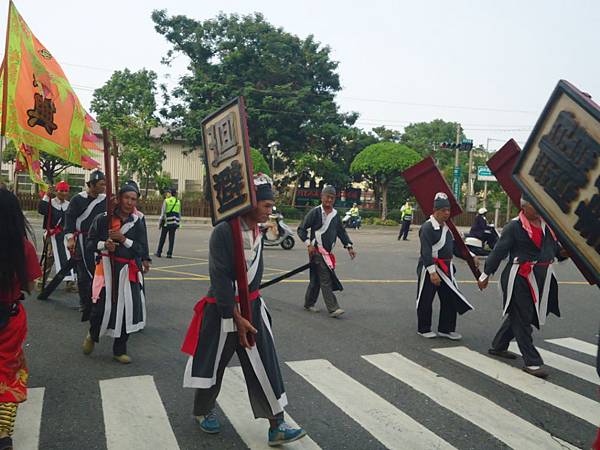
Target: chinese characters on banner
<point>228,162</point>
<point>559,169</point>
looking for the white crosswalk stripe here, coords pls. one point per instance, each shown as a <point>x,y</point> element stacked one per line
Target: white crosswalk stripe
<point>564,364</point>
<point>134,415</point>
<point>384,421</point>
<point>575,344</point>
<point>29,420</point>
<point>234,402</point>
<point>561,398</point>
<point>500,423</point>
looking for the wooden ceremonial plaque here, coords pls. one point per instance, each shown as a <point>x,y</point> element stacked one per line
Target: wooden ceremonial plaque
<point>559,171</point>
<point>502,165</point>
<point>228,163</point>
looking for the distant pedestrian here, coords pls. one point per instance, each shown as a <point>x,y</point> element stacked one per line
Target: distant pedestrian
<point>325,228</point>
<point>170,216</point>
<point>406,218</point>
<point>19,268</point>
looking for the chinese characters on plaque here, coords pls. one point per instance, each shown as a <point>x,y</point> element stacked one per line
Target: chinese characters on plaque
<point>559,169</point>
<point>227,161</point>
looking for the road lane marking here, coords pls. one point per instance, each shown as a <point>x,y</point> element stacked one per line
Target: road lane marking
<point>575,344</point>
<point>234,402</point>
<point>29,421</point>
<point>505,426</point>
<point>390,426</point>
<point>564,364</point>
<point>134,415</point>
<point>571,402</point>
<point>182,265</point>
<point>158,269</point>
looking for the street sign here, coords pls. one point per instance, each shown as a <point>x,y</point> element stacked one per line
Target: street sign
<point>456,184</point>
<point>485,174</point>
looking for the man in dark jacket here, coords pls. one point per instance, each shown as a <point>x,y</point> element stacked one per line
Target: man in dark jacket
<point>528,282</point>
<point>483,231</point>
<point>325,228</point>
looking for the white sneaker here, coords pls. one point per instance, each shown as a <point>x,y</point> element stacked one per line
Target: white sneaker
<point>428,335</point>
<point>337,313</point>
<point>311,309</point>
<point>453,336</point>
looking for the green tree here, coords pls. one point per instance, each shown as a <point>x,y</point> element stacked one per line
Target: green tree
<point>289,84</point>
<point>126,105</point>
<point>259,162</point>
<point>387,134</point>
<point>381,163</point>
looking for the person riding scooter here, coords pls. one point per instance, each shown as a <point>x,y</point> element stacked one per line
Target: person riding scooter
<point>277,232</point>
<point>352,217</point>
<point>482,230</point>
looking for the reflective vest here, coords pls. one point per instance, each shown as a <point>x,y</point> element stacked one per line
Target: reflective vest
<point>407,214</point>
<point>172,212</point>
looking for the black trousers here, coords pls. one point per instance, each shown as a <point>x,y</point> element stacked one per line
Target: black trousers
<point>517,325</point>
<point>163,236</point>
<point>205,399</point>
<point>405,229</point>
<point>322,282</point>
<point>96,316</point>
<point>447,321</point>
<point>84,284</point>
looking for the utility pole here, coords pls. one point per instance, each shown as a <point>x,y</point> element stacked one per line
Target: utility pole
<point>456,183</point>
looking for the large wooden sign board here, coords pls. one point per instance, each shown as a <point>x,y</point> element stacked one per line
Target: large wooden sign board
<point>228,163</point>
<point>559,170</point>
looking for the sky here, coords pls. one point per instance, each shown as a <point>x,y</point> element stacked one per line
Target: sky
<point>490,65</point>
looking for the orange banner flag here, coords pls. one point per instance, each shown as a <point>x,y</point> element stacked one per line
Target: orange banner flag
<point>39,107</point>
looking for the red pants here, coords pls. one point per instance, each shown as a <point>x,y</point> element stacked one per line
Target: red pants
<point>13,369</point>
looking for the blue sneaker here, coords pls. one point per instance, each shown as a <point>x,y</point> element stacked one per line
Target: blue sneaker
<point>284,434</point>
<point>209,423</point>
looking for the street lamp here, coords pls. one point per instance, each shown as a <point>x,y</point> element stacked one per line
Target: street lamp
<point>273,147</point>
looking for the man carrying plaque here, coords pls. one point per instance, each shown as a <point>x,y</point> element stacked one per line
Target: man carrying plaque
<point>528,282</point>
<point>325,228</point>
<point>218,329</point>
<point>435,272</point>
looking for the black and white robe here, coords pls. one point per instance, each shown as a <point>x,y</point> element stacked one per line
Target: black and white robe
<point>324,232</point>
<point>213,320</point>
<point>79,217</point>
<point>129,310</point>
<point>437,243</point>
<point>516,244</point>
<point>55,210</point>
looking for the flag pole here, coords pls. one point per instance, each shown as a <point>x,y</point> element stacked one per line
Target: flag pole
<point>109,204</point>
<point>4,86</point>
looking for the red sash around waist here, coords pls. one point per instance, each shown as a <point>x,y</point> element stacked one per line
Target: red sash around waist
<point>525,269</point>
<point>133,267</point>
<point>54,231</point>
<point>443,264</point>
<point>190,343</point>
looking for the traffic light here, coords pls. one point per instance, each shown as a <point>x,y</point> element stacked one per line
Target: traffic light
<point>466,145</point>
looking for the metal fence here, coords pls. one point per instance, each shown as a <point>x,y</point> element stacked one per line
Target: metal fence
<point>150,206</point>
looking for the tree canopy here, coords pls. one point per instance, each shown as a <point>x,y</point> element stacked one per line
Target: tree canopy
<point>126,105</point>
<point>289,83</point>
<point>259,162</point>
<point>381,163</point>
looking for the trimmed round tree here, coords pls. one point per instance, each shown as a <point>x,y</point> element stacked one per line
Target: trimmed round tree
<point>382,162</point>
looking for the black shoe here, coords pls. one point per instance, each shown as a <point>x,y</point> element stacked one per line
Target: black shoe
<point>169,256</point>
<point>502,353</point>
<point>158,255</point>
<point>539,372</point>
<point>6,443</point>
<point>405,239</point>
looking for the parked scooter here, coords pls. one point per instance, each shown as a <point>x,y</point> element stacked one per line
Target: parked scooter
<point>284,235</point>
<point>350,221</point>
